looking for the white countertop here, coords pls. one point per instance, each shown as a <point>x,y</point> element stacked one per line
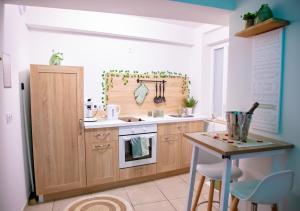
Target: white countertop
<point>147,120</point>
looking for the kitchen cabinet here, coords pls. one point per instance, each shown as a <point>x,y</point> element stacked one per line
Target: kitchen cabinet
<point>57,130</point>
<point>168,156</point>
<point>138,171</point>
<point>186,147</point>
<point>174,150</point>
<point>102,164</point>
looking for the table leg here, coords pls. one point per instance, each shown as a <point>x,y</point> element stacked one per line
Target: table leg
<point>192,178</point>
<point>225,184</point>
<point>278,164</point>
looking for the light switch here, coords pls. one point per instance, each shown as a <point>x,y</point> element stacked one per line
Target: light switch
<point>9,117</point>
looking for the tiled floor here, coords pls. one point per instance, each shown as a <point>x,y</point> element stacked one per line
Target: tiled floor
<point>168,194</point>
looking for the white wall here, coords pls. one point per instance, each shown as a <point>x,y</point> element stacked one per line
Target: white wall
<point>240,86</point>
<point>13,181</point>
<point>145,48</point>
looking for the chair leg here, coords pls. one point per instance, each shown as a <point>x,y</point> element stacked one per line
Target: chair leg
<point>211,195</point>
<point>198,193</point>
<point>220,191</point>
<point>253,206</point>
<point>234,204</point>
<point>274,207</point>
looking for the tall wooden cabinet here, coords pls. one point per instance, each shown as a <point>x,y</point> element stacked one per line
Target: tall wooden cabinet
<point>57,130</point>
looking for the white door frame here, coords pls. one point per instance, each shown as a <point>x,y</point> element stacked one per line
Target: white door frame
<point>225,73</point>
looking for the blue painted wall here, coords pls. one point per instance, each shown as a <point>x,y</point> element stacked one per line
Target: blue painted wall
<point>240,70</point>
<point>222,4</point>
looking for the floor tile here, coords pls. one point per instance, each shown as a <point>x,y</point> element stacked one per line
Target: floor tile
<point>144,193</point>
<point>119,192</point>
<point>39,207</point>
<point>157,206</point>
<point>63,203</point>
<point>172,187</point>
<point>179,204</point>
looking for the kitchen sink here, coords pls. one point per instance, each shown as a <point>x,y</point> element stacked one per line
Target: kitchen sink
<point>181,116</point>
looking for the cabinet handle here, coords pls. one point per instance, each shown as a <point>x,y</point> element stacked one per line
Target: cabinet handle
<point>101,147</point>
<point>102,135</point>
<point>170,141</point>
<point>81,126</point>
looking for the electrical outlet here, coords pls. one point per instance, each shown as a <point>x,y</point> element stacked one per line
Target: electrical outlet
<point>9,117</point>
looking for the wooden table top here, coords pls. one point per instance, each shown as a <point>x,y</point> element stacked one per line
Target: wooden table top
<point>226,149</point>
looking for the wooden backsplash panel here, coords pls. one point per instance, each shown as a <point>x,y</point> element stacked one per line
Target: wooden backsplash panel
<point>123,95</point>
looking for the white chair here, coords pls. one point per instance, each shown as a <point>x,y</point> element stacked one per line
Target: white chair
<point>270,190</point>
<point>213,172</point>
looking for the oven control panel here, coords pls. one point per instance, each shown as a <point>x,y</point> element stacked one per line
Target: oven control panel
<point>137,129</point>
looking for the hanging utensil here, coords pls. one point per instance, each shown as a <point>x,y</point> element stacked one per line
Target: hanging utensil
<point>163,97</point>
<point>159,97</point>
<point>155,98</point>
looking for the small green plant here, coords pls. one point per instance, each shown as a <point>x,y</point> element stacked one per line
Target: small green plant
<point>190,102</point>
<point>56,58</point>
<point>248,16</point>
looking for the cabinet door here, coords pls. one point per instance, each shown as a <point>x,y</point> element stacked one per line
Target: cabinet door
<point>186,146</point>
<point>101,162</point>
<point>57,113</point>
<point>168,153</point>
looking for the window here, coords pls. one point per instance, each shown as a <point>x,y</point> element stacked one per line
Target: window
<point>219,79</point>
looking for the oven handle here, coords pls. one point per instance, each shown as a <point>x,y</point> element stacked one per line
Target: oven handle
<point>143,135</point>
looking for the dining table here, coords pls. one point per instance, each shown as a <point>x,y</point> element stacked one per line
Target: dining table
<point>221,146</point>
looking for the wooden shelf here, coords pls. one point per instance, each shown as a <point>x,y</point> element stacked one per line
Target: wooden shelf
<point>268,25</point>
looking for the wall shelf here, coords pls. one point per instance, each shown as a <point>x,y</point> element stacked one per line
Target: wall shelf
<point>268,25</point>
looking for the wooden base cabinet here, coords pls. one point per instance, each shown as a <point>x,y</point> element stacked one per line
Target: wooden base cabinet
<point>57,133</point>
<point>102,164</point>
<point>168,156</point>
<point>186,146</point>
<point>174,150</point>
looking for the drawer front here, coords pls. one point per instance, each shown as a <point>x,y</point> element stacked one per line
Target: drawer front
<point>138,171</point>
<point>169,138</point>
<point>105,134</point>
<point>169,128</point>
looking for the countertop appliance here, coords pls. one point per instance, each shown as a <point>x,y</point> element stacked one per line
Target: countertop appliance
<point>127,134</point>
<point>90,110</point>
<point>112,112</point>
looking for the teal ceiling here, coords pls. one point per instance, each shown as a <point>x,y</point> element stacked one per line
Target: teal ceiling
<point>222,4</point>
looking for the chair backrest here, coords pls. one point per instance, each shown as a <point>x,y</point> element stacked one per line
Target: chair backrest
<point>273,188</point>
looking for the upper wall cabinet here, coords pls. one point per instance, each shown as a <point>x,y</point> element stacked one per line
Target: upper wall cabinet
<point>57,112</point>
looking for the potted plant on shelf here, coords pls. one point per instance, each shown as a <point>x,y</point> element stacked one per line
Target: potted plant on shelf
<point>249,18</point>
<point>190,104</point>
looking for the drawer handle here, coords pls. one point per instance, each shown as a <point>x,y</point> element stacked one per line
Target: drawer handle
<point>139,168</point>
<point>170,141</point>
<point>102,135</point>
<point>101,147</point>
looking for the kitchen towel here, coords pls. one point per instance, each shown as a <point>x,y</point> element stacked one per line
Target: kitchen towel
<point>140,93</point>
<point>145,143</point>
<point>136,147</point>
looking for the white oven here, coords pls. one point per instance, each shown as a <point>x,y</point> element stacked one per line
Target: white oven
<point>147,133</point>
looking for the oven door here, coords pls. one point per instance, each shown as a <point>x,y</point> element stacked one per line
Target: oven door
<point>126,155</point>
